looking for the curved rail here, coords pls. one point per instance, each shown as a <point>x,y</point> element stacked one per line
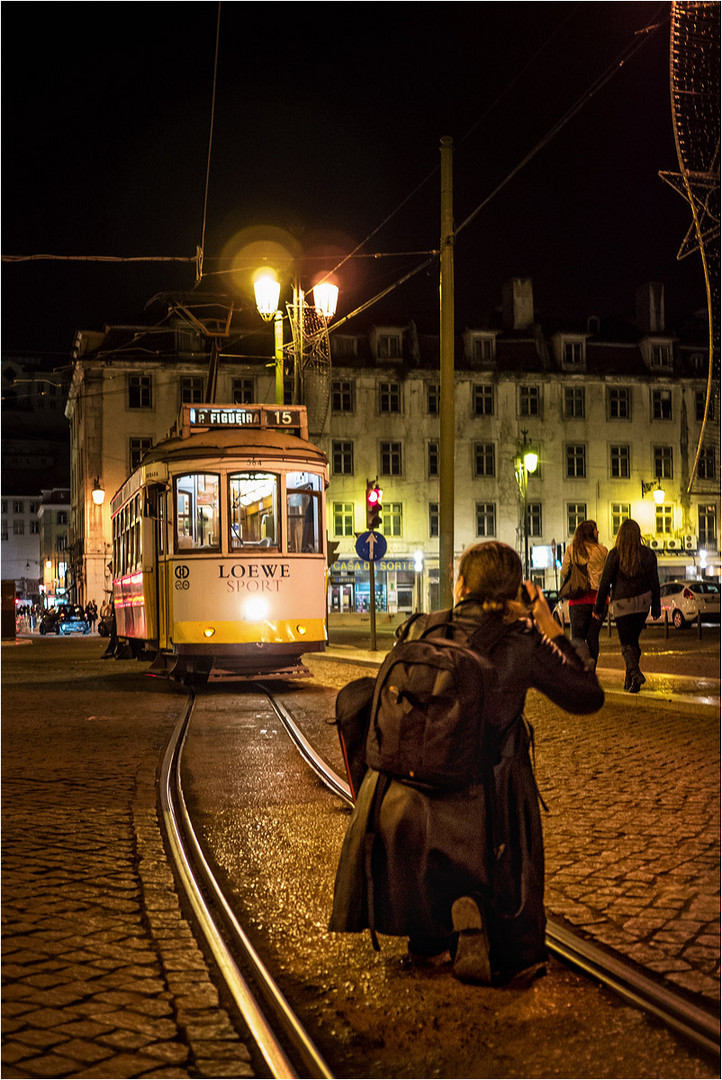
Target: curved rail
<point>188,857</point>
<point>676,1011</point>
<point>625,979</point>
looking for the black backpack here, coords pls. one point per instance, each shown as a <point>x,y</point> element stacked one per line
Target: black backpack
<point>427,719</point>
<point>353,712</point>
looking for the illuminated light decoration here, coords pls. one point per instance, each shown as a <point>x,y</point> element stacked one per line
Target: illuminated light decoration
<point>695,93</point>
<point>267,289</point>
<point>325,299</point>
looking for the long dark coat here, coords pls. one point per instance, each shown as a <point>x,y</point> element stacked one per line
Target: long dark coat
<point>430,849</point>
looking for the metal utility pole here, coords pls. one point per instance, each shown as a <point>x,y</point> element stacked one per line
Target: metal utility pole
<point>447,411</point>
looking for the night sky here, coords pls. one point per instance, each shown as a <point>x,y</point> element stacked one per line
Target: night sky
<point>328,119</point>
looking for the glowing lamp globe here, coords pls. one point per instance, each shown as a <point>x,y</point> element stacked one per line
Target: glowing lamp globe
<point>325,299</point>
<point>267,289</point>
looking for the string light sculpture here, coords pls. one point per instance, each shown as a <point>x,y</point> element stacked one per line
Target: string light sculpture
<point>695,94</point>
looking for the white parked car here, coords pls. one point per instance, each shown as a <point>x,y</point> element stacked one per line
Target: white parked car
<point>685,600</point>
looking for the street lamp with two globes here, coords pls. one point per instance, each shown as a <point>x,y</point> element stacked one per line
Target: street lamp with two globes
<point>267,289</point>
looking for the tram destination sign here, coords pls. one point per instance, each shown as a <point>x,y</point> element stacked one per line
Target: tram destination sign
<point>227,416</point>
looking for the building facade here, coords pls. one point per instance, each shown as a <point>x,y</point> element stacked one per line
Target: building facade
<point>35,462</point>
<point>615,413</point>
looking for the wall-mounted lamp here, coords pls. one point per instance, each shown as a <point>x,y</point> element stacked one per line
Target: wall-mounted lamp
<point>656,487</point>
<point>98,492</point>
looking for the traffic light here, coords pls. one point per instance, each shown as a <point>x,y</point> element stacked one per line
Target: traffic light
<point>373,506</point>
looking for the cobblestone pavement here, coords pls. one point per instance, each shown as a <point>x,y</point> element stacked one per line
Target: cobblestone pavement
<point>632,834</point>
<point>102,975</point>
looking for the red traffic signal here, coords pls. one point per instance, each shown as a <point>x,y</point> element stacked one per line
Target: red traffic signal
<point>373,506</point>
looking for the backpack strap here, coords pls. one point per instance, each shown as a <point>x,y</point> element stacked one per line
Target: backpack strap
<point>382,784</point>
<point>421,623</point>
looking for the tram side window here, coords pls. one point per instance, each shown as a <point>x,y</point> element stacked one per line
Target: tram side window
<point>253,500</point>
<point>198,519</point>
<point>303,512</point>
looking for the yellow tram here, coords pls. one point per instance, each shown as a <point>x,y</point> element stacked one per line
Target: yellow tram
<point>219,545</point>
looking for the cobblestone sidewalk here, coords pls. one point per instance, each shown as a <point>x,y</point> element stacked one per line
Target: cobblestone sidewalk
<point>102,975</point>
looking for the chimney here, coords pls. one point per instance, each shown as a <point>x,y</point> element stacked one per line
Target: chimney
<point>518,304</point>
<point>649,306</point>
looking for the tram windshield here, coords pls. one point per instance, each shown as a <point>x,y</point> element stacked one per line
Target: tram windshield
<point>303,508</point>
<point>253,510</point>
<point>198,512</point>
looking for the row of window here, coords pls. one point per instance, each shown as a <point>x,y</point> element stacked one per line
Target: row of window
<point>192,390</point>
<point>19,506</point>
<point>529,400</point>
<point>19,529</point>
<point>390,400</point>
<point>29,507</point>
<point>484,460</point>
<point>342,516</point>
<point>481,348</point>
<point>251,509</point>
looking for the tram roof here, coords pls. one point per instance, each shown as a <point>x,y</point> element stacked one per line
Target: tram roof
<point>225,442</point>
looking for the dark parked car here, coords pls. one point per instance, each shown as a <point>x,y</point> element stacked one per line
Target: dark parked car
<point>49,621</point>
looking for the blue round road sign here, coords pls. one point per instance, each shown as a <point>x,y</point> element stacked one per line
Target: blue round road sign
<point>371,546</point>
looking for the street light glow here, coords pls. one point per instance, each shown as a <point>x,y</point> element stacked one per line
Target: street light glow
<point>325,298</point>
<point>531,460</point>
<point>267,288</point>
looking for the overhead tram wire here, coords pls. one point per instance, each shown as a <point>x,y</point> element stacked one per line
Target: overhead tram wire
<point>102,258</point>
<point>201,249</point>
<point>601,81</point>
<point>595,87</point>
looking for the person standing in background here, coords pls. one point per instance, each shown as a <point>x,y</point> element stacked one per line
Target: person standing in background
<point>586,552</point>
<point>630,573</point>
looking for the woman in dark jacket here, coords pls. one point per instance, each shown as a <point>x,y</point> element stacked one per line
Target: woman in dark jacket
<point>463,871</point>
<point>630,572</point>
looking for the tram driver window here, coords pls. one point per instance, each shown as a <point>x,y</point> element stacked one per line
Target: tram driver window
<point>253,510</point>
<point>197,512</point>
<point>303,503</point>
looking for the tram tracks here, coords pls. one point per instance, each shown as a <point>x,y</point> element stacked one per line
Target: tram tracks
<point>281,1040</point>
<point>676,1011</point>
<point>284,1045</point>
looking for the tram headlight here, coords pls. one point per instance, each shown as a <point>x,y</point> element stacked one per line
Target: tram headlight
<point>209,631</point>
<point>301,629</point>
<point>255,609</point>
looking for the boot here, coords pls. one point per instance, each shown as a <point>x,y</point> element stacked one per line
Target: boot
<point>638,653</point>
<point>633,679</point>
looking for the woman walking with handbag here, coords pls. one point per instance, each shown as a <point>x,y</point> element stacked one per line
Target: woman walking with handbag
<point>631,573</point>
<point>582,568</point>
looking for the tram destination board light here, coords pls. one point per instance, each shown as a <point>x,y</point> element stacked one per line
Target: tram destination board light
<point>217,416</point>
